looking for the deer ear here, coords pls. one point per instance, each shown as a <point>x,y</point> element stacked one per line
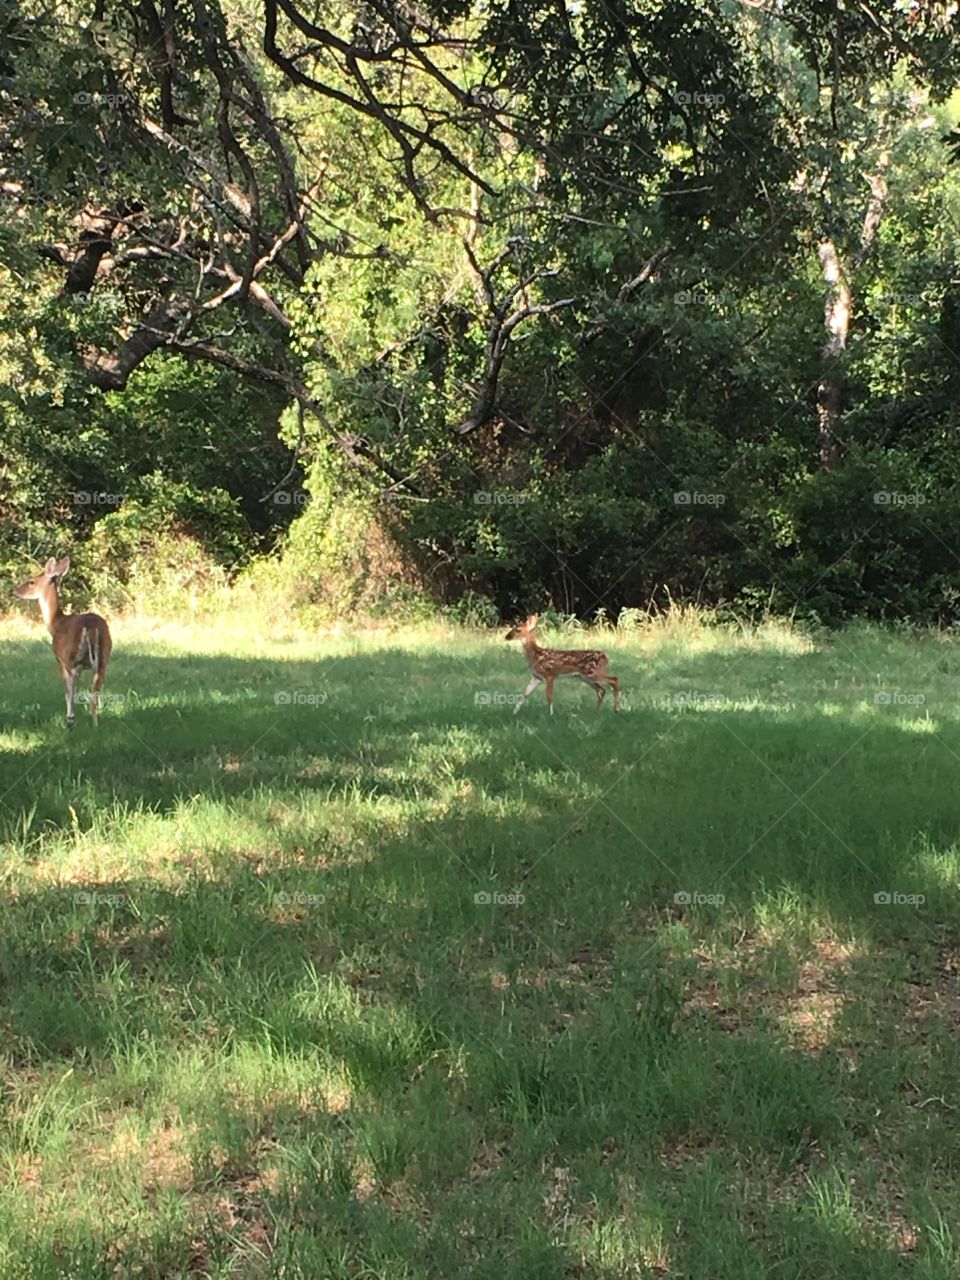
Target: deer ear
<point>533,619</point>
<point>50,568</point>
<point>62,567</point>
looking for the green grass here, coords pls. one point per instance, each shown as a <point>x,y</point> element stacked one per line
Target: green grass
<point>255,1023</point>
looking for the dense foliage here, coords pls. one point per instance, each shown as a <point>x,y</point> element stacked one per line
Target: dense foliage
<point>588,305</point>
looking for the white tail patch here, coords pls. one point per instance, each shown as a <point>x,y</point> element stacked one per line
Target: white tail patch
<point>87,650</point>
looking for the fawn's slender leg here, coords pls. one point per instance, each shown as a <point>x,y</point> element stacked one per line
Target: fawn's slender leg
<point>534,681</point>
<point>597,688</point>
<point>550,693</point>
<point>616,691</point>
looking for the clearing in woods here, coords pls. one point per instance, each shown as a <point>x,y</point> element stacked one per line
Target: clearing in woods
<point>317,961</point>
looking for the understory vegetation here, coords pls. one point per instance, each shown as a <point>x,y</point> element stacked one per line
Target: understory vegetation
<point>589,307</point>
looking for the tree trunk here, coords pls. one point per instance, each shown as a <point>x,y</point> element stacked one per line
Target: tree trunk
<point>837,309</point>
<point>109,371</point>
<point>836,318</point>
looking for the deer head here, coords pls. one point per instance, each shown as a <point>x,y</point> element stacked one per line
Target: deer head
<point>523,630</point>
<point>36,587</point>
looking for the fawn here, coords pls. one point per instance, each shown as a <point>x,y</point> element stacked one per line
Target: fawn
<point>590,665</point>
<point>80,640</point>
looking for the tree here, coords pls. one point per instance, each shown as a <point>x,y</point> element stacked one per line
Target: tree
<point>518,248</point>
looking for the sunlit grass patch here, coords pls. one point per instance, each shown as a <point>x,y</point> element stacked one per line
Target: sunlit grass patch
<point>373,976</point>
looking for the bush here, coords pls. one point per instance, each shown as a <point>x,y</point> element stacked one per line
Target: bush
<point>339,558</point>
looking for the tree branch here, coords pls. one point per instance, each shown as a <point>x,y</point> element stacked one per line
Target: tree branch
<point>498,338</point>
<point>647,272</point>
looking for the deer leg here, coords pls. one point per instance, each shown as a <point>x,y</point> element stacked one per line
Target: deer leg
<point>550,693</point>
<point>598,688</point>
<point>96,686</point>
<point>612,680</point>
<point>69,688</point>
<point>534,681</point>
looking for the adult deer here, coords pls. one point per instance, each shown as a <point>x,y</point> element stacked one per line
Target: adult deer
<point>80,640</point>
<point>589,665</point>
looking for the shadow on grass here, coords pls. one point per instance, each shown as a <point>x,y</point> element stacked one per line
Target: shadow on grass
<point>594,1078</point>
<point>815,795</point>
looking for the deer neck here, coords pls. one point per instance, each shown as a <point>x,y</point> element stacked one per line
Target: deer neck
<point>531,650</point>
<point>53,615</point>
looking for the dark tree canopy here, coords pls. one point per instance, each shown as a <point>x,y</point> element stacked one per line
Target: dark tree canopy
<point>594,255</point>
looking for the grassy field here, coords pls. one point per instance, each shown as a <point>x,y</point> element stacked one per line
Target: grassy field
<point>316,961</point>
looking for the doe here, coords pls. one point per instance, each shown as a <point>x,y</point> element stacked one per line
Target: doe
<point>589,665</point>
<point>80,640</point>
